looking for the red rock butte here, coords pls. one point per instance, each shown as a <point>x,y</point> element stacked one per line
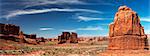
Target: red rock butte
<point>68,37</point>
<point>126,32</point>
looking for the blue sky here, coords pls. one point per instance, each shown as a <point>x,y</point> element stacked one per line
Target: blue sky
<point>48,18</point>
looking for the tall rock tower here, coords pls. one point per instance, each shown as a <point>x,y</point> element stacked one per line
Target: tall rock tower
<point>126,32</point>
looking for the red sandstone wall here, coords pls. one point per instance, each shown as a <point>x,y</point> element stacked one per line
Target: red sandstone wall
<point>126,31</point>
<point>9,29</point>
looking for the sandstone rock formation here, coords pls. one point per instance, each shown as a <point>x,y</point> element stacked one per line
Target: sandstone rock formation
<point>21,35</point>
<point>126,32</point>
<point>9,29</point>
<point>74,38</point>
<point>66,37</point>
<point>40,39</point>
<point>31,41</point>
<point>148,37</point>
<point>13,32</point>
<point>31,36</point>
<point>9,32</point>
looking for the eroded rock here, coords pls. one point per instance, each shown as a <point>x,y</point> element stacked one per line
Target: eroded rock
<point>66,37</point>
<point>9,29</point>
<point>126,32</point>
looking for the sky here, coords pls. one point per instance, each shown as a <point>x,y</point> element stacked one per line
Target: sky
<point>49,18</point>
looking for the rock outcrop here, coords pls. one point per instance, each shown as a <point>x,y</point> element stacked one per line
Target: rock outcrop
<point>9,32</point>
<point>31,36</point>
<point>21,35</point>
<point>74,38</point>
<point>126,32</point>
<point>9,29</point>
<point>66,37</point>
<point>13,32</point>
<point>41,39</point>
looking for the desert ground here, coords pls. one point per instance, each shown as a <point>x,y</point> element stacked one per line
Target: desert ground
<point>54,49</point>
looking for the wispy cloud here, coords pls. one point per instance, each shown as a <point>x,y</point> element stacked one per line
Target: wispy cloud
<point>31,3</point>
<point>90,28</point>
<point>82,18</point>
<point>46,29</point>
<point>145,19</point>
<point>69,30</point>
<point>57,2</point>
<point>24,12</point>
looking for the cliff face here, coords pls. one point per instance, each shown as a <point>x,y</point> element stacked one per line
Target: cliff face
<point>126,22</point>
<point>74,38</point>
<point>9,29</point>
<point>13,32</point>
<point>66,37</point>
<point>126,31</point>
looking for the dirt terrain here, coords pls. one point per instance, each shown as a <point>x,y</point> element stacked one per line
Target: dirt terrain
<point>54,49</point>
<point>80,49</point>
<point>126,53</point>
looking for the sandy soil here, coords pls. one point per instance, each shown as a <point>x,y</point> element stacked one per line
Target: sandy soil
<point>35,53</point>
<point>126,53</point>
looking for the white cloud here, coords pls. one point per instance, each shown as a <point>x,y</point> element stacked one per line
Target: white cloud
<point>82,18</point>
<point>145,19</point>
<point>69,30</point>
<point>45,29</point>
<point>57,2</point>
<point>90,28</point>
<point>31,3</point>
<point>24,12</point>
<point>146,27</point>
